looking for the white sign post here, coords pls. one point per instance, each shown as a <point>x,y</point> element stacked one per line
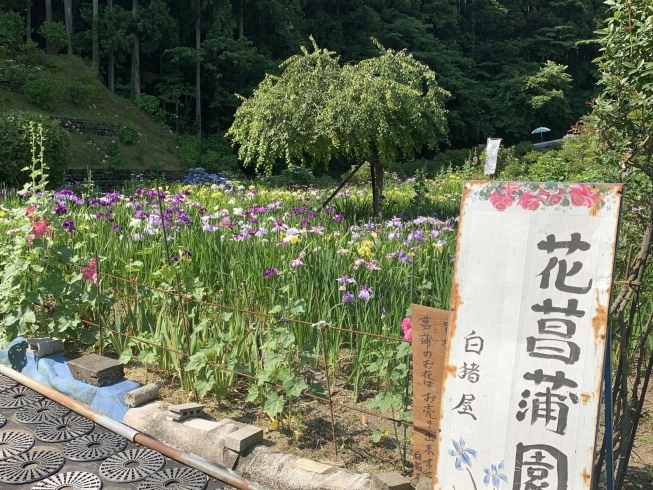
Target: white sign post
<point>526,344</point>
<point>491,154</point>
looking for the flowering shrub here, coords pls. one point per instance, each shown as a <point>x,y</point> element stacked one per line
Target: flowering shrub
<point>41,290</point>
<point>200,176</point>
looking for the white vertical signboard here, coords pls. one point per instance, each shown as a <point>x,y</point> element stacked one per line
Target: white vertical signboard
<point>491,154</point>
<point>522,376</point>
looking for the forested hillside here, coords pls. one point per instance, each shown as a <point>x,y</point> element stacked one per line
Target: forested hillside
<point>510,65</point>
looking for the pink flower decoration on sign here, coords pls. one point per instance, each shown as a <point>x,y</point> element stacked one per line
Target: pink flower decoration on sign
<point>90,273</point>
<point>531,200</point>
<point>407,327</point>
<point>511,188</point>
<point>583,195</point>
<point>500,201</point>
<point>555,197</point>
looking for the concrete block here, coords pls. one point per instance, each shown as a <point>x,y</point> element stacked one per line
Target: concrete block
<point>230,458</point>
<point>244,438</point>
<point>312,466</point>
<point>240,425</point>
<point>201,424</point>
<point>144,394</point>
<point>390,481</point>
<point>44,347</point>
<point>425,483</point>
<point>184,411</point>
<point>96,370</point>
<point>152,419</point>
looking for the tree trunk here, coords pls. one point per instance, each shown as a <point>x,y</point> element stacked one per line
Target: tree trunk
<point>198,93</point>
<point>376,168</point>
<point>48,18</point>
<point>95,63</point>
<point>112,60</point>
<point>136,70</point>
<point>70,28</point>
<point>241,20</point>
<point>28,20</point>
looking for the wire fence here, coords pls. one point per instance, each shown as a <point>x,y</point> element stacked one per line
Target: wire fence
<point>321,327</point>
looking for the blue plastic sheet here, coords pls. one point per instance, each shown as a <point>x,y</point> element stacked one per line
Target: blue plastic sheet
<point>52,371</point>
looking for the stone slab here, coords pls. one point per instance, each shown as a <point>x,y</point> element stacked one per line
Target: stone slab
<point>152,419</point>
<point>202,424</point>
<point>44,347</point>
<point>244,438</point>
<point>229,458</point>
<point>96,370</point>
<point>312,466</point>
<point>144,394</point>
<point>390,481</point>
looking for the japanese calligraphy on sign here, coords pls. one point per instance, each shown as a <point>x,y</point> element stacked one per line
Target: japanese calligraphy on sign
<point>530,299</point>
<point>430,328</point>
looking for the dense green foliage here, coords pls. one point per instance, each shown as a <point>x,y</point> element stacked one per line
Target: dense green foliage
<point>16,147</point>
<point>380,109</point>
<point>510,65</point>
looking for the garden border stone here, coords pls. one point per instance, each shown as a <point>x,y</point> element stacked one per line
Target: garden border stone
<point>205,438</point>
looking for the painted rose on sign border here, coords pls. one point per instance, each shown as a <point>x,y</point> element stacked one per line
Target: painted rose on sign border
<point>531,196</point>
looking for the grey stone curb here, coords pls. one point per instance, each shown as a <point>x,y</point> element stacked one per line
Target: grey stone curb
<point>214,441</point>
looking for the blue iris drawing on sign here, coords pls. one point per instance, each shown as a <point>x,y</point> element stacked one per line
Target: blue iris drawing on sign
<point>463,457</point>
<point>494,474</point>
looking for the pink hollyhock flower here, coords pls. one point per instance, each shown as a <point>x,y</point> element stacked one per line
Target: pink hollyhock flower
<point>531,200</point>
<point>501,202</point>
<point>583,195</point>
<point>29,211</point>
<point>40,227</point>
<point>90,273</point>
<point>407,327</point>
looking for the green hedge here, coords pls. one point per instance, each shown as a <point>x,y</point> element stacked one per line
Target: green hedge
<point>16,148</point>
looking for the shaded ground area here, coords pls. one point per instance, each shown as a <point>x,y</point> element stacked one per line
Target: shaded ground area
<point>640,471</point>
<point>26,460</point>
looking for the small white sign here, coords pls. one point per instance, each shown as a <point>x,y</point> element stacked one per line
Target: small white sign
<point>491,154</point>
<point>522,376</point>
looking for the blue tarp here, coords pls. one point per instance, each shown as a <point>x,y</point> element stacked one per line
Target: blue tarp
<point>52,371</point>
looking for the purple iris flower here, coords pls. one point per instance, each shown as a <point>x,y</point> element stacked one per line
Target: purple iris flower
<point>338,218</point>
<point>347,298</point>
<point>60,208</point>
<point>365,293</point>
<point>272,271</point>
<point>69,226</point>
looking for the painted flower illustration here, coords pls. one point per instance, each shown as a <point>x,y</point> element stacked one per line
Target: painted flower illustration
<point>462,454</point>
<point>500,201</point>
<point>583,195</point>
<point>494,474</point>
<point>554,197</point>
<point>531,200</point>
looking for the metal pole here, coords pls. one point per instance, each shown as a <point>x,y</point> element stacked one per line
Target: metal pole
<point>211,469</point>
<point>98,301</point>
<point>609,412</point>
<point>344,183</point>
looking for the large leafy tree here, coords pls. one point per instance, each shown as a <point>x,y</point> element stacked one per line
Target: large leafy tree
<point>624,118</point>
<point>378,110</point>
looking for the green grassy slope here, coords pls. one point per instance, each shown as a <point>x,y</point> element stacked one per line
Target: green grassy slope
<point>156,146</point>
